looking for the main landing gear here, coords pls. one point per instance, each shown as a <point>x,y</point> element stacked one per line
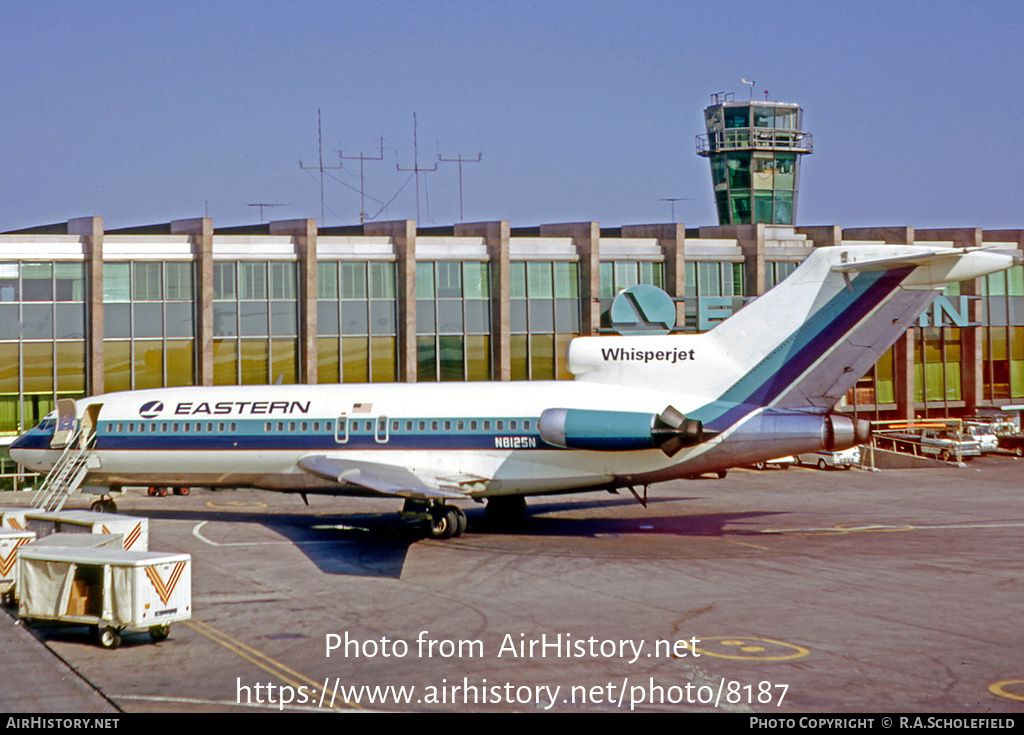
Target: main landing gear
<point>443,520</point>
<point>105,504</point>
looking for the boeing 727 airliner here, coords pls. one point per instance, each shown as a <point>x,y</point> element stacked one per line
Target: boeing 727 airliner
<point>641,409</point>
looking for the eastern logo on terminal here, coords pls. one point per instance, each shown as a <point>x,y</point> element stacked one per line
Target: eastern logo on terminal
<point>643,309</point>
<point>151,410</point>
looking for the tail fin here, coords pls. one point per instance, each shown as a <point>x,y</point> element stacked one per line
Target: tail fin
<point>804,343</point>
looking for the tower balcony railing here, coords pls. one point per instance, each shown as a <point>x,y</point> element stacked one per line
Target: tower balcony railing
<point>747,139</point>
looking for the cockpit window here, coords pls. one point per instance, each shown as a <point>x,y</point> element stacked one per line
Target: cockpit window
<point>47,424</point>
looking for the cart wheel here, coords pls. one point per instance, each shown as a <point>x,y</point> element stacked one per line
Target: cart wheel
<point>162,492</point>
<point>186,490</point>
<point>151,492</point>
<point>110,638</point>
<point>159,633</point>
<point>98,506</point>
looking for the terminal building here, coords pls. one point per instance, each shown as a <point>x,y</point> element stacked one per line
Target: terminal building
<point>84,310</point>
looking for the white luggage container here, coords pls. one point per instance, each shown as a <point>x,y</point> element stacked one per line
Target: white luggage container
<point>13,518</point>
<point>107,589</point>
<point>135,530</point>
<point>10,541</point>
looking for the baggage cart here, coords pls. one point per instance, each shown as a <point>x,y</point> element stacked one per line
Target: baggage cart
<point>109,590</point>
<point>13,518</point>
<point>10,542</point>
<point>135,530</point>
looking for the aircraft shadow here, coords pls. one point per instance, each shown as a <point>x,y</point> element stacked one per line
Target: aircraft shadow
<point>377,544</point>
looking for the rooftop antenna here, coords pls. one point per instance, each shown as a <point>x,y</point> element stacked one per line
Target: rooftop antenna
<point>362,180</point>
<point>261,205</point>
<point>461,161</point>
<point>672,202</point>
<point>751,85</point>
<point>416,166</point>
<point>320,143</point>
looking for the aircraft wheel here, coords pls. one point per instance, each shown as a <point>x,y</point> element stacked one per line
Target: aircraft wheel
<point>822,464</point>
<point>722,474</point>
<point>461,522</point>
<point>109,638</point>
<point>760,466</point>
<point>162,492</point>
<point>159,633</point>
<point>186,490</point>
<point>443,523</point>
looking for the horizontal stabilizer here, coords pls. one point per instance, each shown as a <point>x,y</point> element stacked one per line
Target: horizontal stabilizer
<point>382,478</point>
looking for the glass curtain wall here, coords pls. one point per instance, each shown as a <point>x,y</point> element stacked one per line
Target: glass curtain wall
<point>1003,338</point>
<point>148,323</point>
<point>544,317</point>
<point>42,339</point>
<point>453,321</point>
<point>256,326</point>
<point>356,322</point>
<point>711,280</point>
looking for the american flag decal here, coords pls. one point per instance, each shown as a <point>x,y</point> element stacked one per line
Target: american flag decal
<point>165,590</point>
<point>7,562</point>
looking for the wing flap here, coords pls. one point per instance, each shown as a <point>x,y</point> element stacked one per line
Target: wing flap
<point>382,478</point>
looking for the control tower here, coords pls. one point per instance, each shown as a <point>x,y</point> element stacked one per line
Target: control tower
<point>755,150</point>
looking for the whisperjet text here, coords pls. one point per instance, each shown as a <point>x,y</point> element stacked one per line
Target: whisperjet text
<point>618,354</point>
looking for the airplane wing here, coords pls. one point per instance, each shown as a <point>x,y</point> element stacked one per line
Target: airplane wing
<point>382,478</point>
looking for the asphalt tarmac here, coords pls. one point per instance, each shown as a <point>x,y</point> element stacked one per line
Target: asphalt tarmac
<point>774,592</point>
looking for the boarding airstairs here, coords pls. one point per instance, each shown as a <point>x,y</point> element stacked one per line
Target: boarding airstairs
<point>68,473</point>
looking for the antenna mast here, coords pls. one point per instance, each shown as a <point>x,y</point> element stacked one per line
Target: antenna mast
<point>416,166</point>
<point>461,161</point>
<point>321,167</point>
<point>362,179</point>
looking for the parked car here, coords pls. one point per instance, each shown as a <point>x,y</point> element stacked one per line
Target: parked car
<point>984,435</point>
<point>783,463</point>
<point>941,444</point>
<point>1013,443</point>
<point>824,460</point>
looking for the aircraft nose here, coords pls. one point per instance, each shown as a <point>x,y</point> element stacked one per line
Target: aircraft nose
<point>16,449</point>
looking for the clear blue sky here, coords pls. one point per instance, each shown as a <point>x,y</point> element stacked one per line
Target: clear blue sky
<point>144,112</point>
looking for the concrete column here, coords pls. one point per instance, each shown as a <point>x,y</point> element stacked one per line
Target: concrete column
<point>304,231</point>
<point>403,235</point>
<point>90,229</point>
<point>672,241</point>
<point>587,241</point>
<point>903,375</point>
<point>497,235</point>
<point>200,230</point>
